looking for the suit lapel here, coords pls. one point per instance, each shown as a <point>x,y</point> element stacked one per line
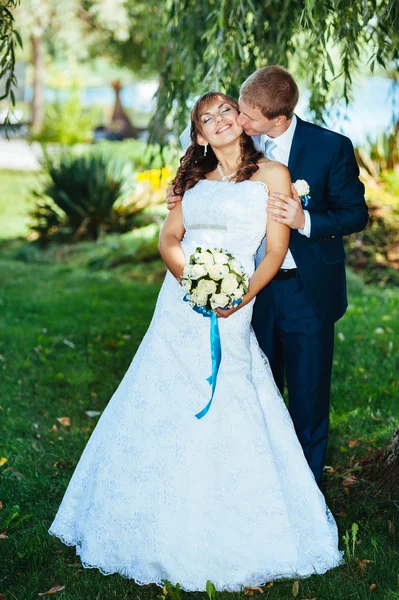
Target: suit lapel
<point>297,151</point>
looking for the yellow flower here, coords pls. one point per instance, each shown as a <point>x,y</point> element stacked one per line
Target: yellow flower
<point>157,178</point>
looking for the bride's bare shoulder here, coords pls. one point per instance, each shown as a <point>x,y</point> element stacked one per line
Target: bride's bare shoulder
<point>271,171</point>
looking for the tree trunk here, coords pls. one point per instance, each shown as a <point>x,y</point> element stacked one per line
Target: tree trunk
<point>38,84</point>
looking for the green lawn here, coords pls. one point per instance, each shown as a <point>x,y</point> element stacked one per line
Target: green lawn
<point>67,335</point>
<point>16,201</point>
<point>67,338</point>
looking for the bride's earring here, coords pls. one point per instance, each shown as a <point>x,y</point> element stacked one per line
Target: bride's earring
<point>205,149</point>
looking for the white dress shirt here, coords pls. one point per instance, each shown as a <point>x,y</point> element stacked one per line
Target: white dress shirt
<point>281,153</point>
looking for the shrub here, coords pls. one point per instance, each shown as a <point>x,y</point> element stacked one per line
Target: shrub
<point>80,193</point>
<point>67,123</point>
<point>379,155</point>
<point>375,251</point>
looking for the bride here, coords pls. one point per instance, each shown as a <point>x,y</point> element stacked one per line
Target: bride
<point>159,494</point>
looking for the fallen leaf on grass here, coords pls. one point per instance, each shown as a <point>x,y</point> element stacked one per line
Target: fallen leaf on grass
<point>1,505</point>
<point>54,590</point>
<point>3,460</point>
<point>249,591</point>
<point>65,421</point>
<point>362,564</point>
<point>295,588</point>
<point>373,587</point>
<point>353,443</point>
<point>349,480</point>
<point>3,536</point>
<point>54,428</point>
<point>93,413</point>
<point>376,419</point>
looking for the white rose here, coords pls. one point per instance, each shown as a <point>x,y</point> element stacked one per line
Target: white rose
<point>186,270</point>
<point>207,286</point>
<point>204,258</point>
<point>186,284</point>
<point>197,271</point>
<point>229,284</point>
<point>302,187</point>
<point>235,266</point>
<point>220,258</point>
<point>218,272</point>
<point>199,297</point>
<point>219,300</point>
<point>238,293</point>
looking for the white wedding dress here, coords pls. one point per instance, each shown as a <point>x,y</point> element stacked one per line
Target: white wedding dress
<point>159,494</point>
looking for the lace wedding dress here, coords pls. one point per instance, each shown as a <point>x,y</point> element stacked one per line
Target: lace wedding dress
<point>159,494</point>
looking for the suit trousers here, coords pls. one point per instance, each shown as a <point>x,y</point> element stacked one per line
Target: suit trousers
<point>299,345</point>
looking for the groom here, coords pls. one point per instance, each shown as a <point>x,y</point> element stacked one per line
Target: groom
<point>294,315</point>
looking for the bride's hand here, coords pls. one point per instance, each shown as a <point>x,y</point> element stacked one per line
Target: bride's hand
<point>226,312</point>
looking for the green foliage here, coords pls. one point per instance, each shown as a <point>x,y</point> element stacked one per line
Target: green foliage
<point>169,591</point>
<point>9,41</point>
<point>381,154</point>
<point>375,250</point>
<point>216,45</point>
<point>210,590</point>
<point>85,188</point>
<point>141,154</point>
<point>67,123</point>
<point>350,548</point>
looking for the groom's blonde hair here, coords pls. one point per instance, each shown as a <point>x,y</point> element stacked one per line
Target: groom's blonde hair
<point>272,90</point>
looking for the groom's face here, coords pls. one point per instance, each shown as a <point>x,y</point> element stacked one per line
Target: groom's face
<point>253,121</point>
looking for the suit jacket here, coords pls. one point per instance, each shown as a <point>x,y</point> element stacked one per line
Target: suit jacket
<point>337,207</point>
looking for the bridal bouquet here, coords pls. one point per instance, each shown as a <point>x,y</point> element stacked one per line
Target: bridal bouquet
<point>214,279</point>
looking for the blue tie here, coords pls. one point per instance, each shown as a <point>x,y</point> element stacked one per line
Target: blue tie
<point>270,147</point>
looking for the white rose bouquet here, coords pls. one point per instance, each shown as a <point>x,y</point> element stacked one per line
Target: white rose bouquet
<point>214,279</point>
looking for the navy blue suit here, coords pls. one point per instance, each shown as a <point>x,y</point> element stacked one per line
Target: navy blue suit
<point>294,319</point>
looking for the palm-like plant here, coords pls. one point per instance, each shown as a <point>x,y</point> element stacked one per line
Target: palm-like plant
<point>86,188</point>
<point>380,154</point>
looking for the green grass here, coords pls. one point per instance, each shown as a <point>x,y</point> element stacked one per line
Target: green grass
<point>15,202</point>
<point>67,338</point>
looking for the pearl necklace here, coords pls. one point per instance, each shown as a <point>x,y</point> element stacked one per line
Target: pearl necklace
<point>223,176</point>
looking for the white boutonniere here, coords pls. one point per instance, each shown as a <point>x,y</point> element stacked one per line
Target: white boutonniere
<point>303,191</point>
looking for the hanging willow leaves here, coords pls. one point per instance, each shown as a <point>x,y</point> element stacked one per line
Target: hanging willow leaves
<point>216,45</point>
<point>9,40</point>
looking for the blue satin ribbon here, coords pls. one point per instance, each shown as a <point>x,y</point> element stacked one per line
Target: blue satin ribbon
<point>216,350</point>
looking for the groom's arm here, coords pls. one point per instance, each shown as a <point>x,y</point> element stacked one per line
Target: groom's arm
<point>348,209</point>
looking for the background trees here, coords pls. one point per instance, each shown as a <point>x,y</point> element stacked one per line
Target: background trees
<point>218,44</point>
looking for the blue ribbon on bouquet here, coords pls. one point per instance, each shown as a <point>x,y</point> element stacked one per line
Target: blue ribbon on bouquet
<point>216,348</point>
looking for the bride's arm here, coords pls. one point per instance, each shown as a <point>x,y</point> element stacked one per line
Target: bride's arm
<point>277,235</point>
<point>171,235</point>
<point>277,178</point>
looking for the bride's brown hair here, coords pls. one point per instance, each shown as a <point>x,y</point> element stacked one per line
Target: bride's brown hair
<point>194,165</point>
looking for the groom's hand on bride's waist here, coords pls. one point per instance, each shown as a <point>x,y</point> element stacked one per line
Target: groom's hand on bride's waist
<point>171,199</point>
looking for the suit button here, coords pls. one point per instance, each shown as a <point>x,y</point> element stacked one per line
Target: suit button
<point>333,237</point>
